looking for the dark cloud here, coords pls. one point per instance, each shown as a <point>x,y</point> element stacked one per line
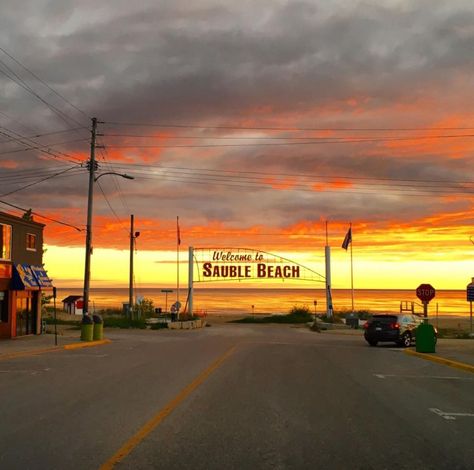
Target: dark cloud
<point>252,63</point>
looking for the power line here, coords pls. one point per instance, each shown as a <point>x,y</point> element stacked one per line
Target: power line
<point>10,74</point>
<point>260,175</point>
<point>44,83</point>
<point>38,182</point>
<point>122,224</point>
<point>313,141</point>
<point>42,216</point>
<point>346,139</point>
<point>37,136</point>
<point>30,173</point>
<point>19,138</point>
<point>296,129</point>
<point>43,146</point>
<point>298,187</point>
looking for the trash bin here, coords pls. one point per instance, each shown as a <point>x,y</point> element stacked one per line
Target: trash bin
<point>352,321</point>
<point>87,328</point>
<point>425,338</point>
<point>98,327</point>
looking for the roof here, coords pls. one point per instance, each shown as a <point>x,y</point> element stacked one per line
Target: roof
<point>71,298</point>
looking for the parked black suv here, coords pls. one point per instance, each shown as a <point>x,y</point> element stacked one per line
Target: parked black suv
<point>400,329</point>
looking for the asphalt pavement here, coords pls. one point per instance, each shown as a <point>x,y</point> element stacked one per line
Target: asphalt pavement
<point>232,396</point>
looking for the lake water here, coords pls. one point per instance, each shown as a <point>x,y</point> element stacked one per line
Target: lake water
<point>267,300</point>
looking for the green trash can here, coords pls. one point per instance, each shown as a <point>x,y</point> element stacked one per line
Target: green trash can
<point>98,328</point>
<point>425,338</point>
<point>87,328</point>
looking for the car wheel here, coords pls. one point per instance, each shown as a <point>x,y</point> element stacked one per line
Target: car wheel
<point>372,342</point>
<point>405,340</point>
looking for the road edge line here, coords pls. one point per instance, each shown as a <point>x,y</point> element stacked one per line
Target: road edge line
<point>150,425</point>
<point>88,344</point>
<point>32,352</point>
<point>442,360</point>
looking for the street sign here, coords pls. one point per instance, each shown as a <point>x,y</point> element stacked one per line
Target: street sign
<point>425,292</point>
<point>470,292</point>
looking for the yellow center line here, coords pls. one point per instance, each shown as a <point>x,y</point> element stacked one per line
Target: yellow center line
<point>148,427</point>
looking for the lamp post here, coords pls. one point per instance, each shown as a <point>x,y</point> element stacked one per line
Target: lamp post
<point>92,167</point>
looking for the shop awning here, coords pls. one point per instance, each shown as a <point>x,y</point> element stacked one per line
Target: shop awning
<point>26,276</point>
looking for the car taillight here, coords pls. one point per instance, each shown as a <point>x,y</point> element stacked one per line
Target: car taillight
<point>394,326</point>
<point>366,324</point>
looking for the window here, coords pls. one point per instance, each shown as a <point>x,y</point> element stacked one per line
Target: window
<point>3,307</point>
<point>5,241</point>
<point>31,242</point>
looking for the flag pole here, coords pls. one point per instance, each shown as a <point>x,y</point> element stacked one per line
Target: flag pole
<point>352,269</point>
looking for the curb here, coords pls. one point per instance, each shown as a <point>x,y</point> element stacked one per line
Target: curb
<point>442,360</point>
<point>88,344</point>
<point>70,346</point>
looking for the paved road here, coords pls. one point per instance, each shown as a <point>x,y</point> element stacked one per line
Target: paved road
<point>234,397</point>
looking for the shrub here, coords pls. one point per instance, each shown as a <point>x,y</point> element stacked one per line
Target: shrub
<point>143,308</point>
<point>300,311</point>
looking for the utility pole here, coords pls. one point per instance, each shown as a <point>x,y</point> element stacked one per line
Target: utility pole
<point>92,167</point>
<point>133,236</point>
<point>130,279</point>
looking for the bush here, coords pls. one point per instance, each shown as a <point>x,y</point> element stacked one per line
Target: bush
<point>158,326</point>
<point>296,315</point>
<point>300,311</point>
<point>143,308</point>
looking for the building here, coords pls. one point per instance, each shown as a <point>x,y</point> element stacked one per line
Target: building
<point>23,279</point>
<point>73,304</point>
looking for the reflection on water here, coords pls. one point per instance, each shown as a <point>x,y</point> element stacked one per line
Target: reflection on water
<point>264,300</point>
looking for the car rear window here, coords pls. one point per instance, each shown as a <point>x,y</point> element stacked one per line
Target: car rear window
<point>385,318</point>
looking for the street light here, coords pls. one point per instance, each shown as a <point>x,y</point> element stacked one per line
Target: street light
<point>87,270</point>
<point>123,175</point>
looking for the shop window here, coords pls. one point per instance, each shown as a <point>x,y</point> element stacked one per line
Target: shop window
<point>25,316</point>
<point>31,242</point>
<point>3,307</point>
<point>5,241</point>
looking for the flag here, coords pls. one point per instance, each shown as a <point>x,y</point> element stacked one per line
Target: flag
<point>177,230</point>
<point>347,239</point>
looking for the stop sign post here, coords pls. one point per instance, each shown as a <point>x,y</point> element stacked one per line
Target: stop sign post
<point>425,292</point>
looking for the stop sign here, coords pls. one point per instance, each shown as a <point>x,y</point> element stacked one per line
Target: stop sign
<point>425,292</point>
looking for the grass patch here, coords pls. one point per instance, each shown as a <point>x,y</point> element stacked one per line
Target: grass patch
<point>297,315</point>
<point>453,333</point>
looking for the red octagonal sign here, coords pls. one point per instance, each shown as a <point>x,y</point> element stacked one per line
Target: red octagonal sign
<point>425,292</point>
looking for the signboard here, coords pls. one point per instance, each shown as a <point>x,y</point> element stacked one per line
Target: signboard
<point>248,265</point>
<point>5,271</point>
<point>26,276</point>
<point>425,292</point>
<point>41,276</point>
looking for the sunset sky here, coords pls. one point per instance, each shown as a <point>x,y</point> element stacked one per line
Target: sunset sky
<point>255,122</point>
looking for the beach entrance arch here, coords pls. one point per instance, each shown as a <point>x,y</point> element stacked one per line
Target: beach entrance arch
<point>239,264</point>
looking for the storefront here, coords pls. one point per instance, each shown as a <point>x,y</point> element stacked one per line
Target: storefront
<point>20,305</point>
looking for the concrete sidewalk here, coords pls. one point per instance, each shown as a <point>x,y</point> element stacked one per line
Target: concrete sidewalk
<point>37,344</point>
